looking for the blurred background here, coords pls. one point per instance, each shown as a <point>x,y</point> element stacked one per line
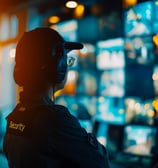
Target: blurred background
<point>113,86</point>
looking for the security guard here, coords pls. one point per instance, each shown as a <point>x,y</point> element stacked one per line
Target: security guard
<point>41,134</point>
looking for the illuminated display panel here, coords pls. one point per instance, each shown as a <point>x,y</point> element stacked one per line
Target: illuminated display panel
<point>139,111</point>
<point>155,17</point>
<point>111,110</point>
<point>109,135</point>
<point>139,82</point>
<point>88,29</point>
<point>110,25</point>
<point>114,138</point>
<point>87,82</point>
<point>139,51</point>
<point>89,103</point>
<point>138,19</point>
<point>139,140</point>
<point>110,54</point>
<point>93,28</point>
<point>112,83</point>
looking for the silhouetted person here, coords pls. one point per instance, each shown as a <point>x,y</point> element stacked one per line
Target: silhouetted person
<point>41,134</point>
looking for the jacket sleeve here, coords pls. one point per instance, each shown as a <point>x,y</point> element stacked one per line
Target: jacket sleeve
<point>72,141</point>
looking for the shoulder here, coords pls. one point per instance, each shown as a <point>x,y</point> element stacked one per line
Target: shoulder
<point>56,110</point>
<point>58,114</point>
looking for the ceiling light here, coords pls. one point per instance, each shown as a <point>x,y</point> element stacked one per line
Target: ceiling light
<point>71,4</point>
<point>54,19</point>
<point>79,11</point>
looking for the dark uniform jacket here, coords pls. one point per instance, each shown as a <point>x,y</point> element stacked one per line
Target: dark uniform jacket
<point>43,135</point>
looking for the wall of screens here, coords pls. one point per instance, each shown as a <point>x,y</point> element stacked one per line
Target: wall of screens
<point>114,81</point>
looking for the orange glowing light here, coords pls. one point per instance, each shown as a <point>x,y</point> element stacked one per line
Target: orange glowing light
<point>150,113</point>
<point>54,19</point>
<point>146,106</point>
<point>155,105</point>
<point>128,3</point>
<point>79,11</point>
<point>155,39</point>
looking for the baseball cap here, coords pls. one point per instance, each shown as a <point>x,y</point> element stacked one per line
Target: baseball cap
<point>35,46</point>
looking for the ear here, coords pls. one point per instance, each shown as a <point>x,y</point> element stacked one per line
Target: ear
<point>59,58</point>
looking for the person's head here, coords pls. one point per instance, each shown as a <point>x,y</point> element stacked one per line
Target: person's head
<point>41,59</point>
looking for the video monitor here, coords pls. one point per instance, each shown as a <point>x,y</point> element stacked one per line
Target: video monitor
<point>155,17</point>
<point>138,19</point>
<point>111,24</point>
<point>88,104</point>
<point>139,51</point>
<point>110,54</point>
<point>139,82</point>
<point>139,111</point>
<point>109,135</point>
<point>88,29</point>
<point>87,57</point>
<point>114,139</point>
<point>139,140</point>
<point>111,110</point>
<point>87,82</point>
<point>155,26</point>
<point>112,83</point>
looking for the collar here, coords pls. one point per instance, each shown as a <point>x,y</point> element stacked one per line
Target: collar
<point>35,99</point>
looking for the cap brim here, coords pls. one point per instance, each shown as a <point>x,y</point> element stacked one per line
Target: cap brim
<point>72,46</point>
